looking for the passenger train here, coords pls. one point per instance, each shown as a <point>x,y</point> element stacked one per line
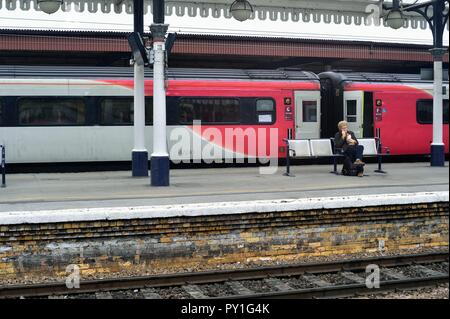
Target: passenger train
<point>85,114</point>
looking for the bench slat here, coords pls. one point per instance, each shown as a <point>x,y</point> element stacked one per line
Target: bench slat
<point>300,147</point>
<point>321,147</point>
<point>370,146</point>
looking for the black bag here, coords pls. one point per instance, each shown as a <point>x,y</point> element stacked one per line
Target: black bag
<point>350,169</point>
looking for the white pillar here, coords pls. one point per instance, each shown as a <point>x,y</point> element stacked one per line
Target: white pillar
<point>160,163</point>
<point>437,146</point>
<point>159,102</point>
<point>139,109</point>
<point>437,104</point>
<point>139,154</point>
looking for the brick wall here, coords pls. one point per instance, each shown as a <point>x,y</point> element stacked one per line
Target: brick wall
<point>181,242</point>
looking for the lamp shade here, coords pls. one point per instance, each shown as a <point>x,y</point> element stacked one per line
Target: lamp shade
<point>241,10</point>
<point>49,6</point>
<point>395,19</point>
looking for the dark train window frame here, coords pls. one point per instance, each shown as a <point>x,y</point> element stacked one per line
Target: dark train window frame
<point>22,98</point>
<point>273,113</point>
<point>317,104</point>
<point>353,117</point>
<point>2,113</point>
<point>421,121</point>
<point>238,99</point>
<point>243,102</point>
<point>100,100</point>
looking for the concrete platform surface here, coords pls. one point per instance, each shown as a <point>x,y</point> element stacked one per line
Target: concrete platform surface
<point>31,192</point>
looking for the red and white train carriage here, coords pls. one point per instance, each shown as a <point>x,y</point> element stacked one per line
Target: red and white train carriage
<point>61,114</point>
<point>58,114</point>
<point>399,105</point>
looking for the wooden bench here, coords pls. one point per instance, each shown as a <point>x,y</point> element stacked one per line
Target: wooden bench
<point>316,148</point>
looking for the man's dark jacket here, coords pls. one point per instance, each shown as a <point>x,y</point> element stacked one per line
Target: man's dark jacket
<point>340,143</point>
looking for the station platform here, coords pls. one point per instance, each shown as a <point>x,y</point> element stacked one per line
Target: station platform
<point>47,191</point>
<point>111,223</point>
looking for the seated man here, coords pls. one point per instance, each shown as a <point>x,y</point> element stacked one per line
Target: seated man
<point>347,141</point>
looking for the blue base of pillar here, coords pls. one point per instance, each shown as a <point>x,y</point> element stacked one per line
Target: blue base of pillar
<point>139,164</point>
<point>160,170</point>
<point>437,155</point>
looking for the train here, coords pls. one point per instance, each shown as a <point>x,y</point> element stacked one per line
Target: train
<point>85,114</point>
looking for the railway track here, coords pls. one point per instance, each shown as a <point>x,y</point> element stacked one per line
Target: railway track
<point>310,280</point>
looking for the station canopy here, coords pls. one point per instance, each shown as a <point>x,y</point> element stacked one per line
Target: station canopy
<point>349,12</point>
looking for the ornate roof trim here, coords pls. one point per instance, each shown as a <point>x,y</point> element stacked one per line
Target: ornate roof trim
<point>349,12</point>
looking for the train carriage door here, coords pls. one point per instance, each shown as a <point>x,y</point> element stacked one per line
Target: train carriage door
<point>353,111</point>
<point>307,114</point>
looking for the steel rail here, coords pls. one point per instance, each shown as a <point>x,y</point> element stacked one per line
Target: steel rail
<point>179,279</point>
<point>350,290</point>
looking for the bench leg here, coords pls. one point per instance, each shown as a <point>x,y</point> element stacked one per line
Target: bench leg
<point>380,170</point>
<point>288,163</point>
<point>288,174</point>
<point>334,171</point>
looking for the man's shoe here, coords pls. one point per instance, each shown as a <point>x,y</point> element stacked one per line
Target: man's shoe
<point>360,174</point>
<point>359,162</point>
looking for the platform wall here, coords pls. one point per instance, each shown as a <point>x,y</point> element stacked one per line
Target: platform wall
<point>181,243</point>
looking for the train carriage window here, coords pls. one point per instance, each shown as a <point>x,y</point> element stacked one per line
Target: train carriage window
<point>120,111</point>
<point>265,111</point>
<point>186,112</point>
<point>265,106</point>
<point>149,111</point>
<point>116,111</point>
<point>424,112</point>
<point>51,111</point>
<point>209,110</point>
<point>351,115</point>
<point>445,112</point>
<point>1,112</point>
<point>309,111</point>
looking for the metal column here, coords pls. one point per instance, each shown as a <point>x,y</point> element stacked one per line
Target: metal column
<point>438,26</point>
<point>437,146</point>
<point>139,154</point>
<point>160,163</point>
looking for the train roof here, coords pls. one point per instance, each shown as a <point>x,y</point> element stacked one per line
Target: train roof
<point>375,77</point>
<point>173,73</point>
